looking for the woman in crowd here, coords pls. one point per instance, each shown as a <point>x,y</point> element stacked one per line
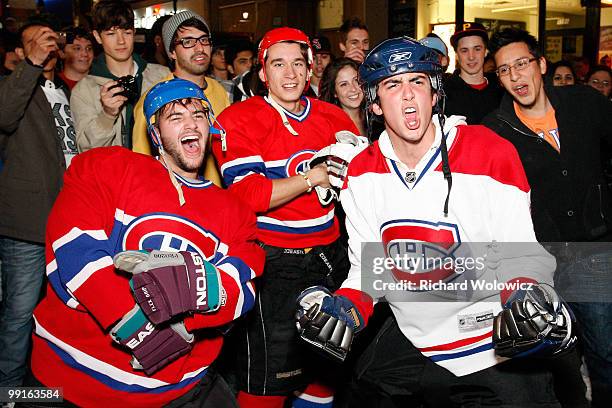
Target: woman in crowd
<point>600,78</point>
<point>562,73</point>
<point>340,86</point>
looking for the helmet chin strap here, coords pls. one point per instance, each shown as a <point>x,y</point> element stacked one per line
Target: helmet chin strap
<point>446,171</point>
<point>173,180</point>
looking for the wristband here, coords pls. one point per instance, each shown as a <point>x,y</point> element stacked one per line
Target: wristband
<point>307,180</point>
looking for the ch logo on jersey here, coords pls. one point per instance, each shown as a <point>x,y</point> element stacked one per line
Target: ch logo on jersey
<point>169,232</point>
<point>297,162</point>
<point>421,250</point>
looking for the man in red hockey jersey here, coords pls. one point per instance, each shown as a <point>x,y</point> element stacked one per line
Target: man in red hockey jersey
<point>140,281</point>
<point>270,140</point>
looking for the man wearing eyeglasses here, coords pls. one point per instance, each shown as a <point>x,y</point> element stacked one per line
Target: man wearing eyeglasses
<point>188,43</point>
<point>103,110</point>
<point>557,132</point>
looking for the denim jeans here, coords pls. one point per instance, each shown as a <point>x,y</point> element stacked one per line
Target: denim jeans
<point>584,279</point>
<point>23,269</point>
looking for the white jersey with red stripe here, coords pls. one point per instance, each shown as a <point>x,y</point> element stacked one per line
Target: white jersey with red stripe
<point>260,149</point>
<point>115,200</point>
<point>386,202</point>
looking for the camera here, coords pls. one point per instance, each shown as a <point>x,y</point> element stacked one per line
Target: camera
<point>130,88</point>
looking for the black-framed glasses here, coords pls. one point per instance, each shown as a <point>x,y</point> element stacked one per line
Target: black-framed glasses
<point>519,65</point>
<point>190,42</point>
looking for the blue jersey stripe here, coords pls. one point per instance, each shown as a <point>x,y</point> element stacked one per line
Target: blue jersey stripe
<point>58,287</point>
<point>479,349</point>
<point>76,254</point>
<point>116,384</point>
<point>244,271</point>
<point>242,169</point>
<point>278,172</point>
<point>249,300</point>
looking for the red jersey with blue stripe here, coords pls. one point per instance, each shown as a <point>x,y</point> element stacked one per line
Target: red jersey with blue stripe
<point>489,221</point>
<point>115,200</point>
<point>261,149</point>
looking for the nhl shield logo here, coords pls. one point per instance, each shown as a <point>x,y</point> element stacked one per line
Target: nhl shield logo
<point>169,232</point>
<point>422,251</point>
<point>297,162</point>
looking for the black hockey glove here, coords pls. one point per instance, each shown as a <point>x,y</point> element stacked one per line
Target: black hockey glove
<point>533,321</point>
<point>327,321</point>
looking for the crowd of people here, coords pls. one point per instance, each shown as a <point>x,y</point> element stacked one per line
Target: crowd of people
<point>197,225</point>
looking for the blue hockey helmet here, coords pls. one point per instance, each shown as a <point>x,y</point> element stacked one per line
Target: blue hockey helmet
<point>397,56</point>
<point>173,90</point>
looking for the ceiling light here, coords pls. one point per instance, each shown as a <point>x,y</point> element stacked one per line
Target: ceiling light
<point>503,10</point>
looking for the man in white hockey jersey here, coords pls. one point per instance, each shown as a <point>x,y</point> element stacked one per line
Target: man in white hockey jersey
<point>454,320</point>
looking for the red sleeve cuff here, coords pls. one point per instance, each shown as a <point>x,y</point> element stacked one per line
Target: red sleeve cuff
<point>255,190</point>
<point>511,287</point>
<point>362,301</point>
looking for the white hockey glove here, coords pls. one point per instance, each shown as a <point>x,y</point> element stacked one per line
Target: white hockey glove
<point>534,321</point>
<point>337,158</point>
<point>327,321</point>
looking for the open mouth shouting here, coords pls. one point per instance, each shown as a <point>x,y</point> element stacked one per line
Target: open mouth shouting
<point>411,118</point>
<point>191,145</point>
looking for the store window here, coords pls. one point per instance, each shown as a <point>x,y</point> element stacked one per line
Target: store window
<point>565,24</point>
<point>605,37</point>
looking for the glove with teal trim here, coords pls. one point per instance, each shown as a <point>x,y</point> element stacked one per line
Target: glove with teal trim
<point>152,347</point>
<point>167,284</point>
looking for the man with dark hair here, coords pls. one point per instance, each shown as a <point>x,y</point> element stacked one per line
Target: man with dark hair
<point>270,140</point>
<point>355,39</point>
<point>147,264</point>
<point>217,69</point>
<point>103,106</point>
<point>557,132</point>
<point>469,91</point>
<point>155,52</point>
<point>239,56</point>
<point>38,143</point>
<point>77,55</point>
<point>188,43</point>
<point>432,189</point>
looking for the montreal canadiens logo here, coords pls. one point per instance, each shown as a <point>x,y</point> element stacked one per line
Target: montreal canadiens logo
<point>169,232</point>
<point>421,251</point>
<point>298,161</point>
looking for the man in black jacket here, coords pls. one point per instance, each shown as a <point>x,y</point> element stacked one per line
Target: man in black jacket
<point>37,141</point>
<point>557,132</point>
<point>469,91</point>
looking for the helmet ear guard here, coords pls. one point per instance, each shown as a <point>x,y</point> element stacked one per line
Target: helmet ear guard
<point>172,90</point>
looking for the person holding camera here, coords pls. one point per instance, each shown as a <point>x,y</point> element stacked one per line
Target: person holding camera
<point>38,142</point>
<point>103,102</point>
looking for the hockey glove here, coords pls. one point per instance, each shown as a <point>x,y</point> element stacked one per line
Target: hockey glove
<point>327,321</point>
<point>152,347</point>
<point>533,321</point>
<point>337,158</point>
<point>167,284</point>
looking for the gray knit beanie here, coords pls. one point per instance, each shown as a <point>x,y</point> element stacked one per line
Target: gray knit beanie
<point>173,24</point>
